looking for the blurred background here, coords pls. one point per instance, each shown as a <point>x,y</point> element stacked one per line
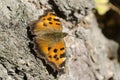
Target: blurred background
<point>108,17</point>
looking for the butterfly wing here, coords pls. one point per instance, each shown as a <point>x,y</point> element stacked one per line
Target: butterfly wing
<point>49,22</point>
<point>53,51</point>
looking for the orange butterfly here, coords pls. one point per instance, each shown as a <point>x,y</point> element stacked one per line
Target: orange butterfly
<point>49,43</point>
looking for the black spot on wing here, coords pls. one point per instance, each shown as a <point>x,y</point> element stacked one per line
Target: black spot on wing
<point>57,23</point>
<point>50,22</point>
<point>43,18</point>
<point>49,18</point>
<point>56,20</point>
<point>50,56</point>
<point>62,48</point>
<point>55,50</point>
<point>56,57</point>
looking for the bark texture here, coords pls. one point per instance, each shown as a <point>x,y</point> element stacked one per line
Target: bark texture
<point>90,56</point>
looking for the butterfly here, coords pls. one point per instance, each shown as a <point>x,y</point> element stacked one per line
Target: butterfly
<point>49,40</point>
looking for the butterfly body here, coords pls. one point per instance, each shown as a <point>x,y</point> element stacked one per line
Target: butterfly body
<point>49,43</point>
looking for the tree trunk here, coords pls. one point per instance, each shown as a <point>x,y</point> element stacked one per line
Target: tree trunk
<point>90,56</point>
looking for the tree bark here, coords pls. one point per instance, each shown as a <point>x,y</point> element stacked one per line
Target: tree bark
<point>90,56</point>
